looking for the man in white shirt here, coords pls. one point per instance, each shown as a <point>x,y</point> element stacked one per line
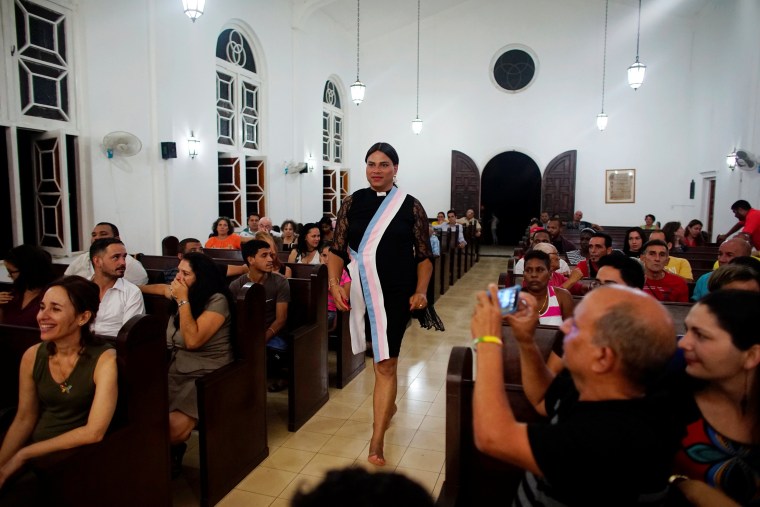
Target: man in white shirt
<point>249,232</point>
<point>82,266</point>
<point>469,219</point>
<point>120,299</point>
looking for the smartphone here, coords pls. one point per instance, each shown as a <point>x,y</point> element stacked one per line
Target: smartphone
<point>509,299</point>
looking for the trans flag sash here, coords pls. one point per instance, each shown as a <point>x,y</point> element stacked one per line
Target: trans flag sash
<point>368,295</point>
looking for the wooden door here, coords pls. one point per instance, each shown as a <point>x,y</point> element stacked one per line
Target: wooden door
<point>558,186</point>
<point>465,184</point>
<point>51,192</point>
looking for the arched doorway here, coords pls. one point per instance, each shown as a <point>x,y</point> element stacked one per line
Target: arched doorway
<point>511,190</point>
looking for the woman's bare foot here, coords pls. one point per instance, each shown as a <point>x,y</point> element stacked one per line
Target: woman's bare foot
<point>376,458</point>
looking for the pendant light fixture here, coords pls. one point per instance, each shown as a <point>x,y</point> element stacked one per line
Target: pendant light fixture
<point>193,8</point>
<point>601,118</point>
<point>637,70</point>
<point>417,123</point>
<point>358,88</point>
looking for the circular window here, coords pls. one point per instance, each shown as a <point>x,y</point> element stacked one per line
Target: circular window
<point>514,68</point>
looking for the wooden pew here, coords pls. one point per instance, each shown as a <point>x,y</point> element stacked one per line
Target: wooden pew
<point>14,340</point>
<point>349,365</point>
<point>472,478</point>
<point>130,466</point>
<point>307,341</point>
<point>231,400</point>
<point>223,253</point>
<point>434,286</point>
<point>444,273</point>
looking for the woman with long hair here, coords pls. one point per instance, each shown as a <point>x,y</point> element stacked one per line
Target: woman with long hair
<point>223,235</point>
<point>288,234</point>
<point>31,269</point>
<point>720,454</point>
<point>634,240</point>
<point>383,232</point>
<point>198,336</point>
<point>674,235</point>
<point>307,247</point>
<point>693,234</point>
<point>67,384</point>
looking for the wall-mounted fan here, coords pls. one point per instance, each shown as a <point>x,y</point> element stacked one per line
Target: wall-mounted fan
<point>745,160</point>
<point>122,144</point>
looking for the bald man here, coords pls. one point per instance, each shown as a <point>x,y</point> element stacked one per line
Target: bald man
<point>734,247</point>
<point>611,439</point>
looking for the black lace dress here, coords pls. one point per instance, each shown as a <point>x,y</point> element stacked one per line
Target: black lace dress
<point>405,243</point>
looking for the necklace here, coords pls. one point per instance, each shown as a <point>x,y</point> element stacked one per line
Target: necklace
<point>545,304</point>
<point>65,386</point>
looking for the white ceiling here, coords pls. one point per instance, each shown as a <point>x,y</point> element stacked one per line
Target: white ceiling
<point>381,16</point>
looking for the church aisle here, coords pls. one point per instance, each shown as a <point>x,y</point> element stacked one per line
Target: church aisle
<point>338,435</point>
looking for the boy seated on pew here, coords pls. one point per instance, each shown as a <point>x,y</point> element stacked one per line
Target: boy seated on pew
<point>258,256</point>
<point>345,281</point>
<point>610,440</point>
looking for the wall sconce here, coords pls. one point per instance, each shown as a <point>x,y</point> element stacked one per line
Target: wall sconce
<point>310,163</point>
<point>193,145</point>
<point>731,160</point>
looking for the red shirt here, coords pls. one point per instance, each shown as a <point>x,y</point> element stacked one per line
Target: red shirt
<point>752,227</point>
<point>671,288</point>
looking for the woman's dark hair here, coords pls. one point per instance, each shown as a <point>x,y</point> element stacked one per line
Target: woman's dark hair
<point>291,222</point>
<point>627,247</point>
<point>35,267</point>
<point>735,313</point>
<point>670,229</point>
<point>301,245</point>
<point>230,229</point>
<point>699,240</point>
<point>732,272</point>
<point>538,254</point>
<point>208,281</point>
<point>650,215</point>
<point>85,296</point>
<point>385,148</point>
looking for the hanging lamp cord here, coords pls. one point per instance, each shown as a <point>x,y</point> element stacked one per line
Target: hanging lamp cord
<point>638,34</point>
<point>357,39</point>
<point>418,58</point>
<point>604,61</point>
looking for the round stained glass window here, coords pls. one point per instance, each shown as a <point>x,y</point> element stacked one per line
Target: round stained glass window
<point>514,68</point>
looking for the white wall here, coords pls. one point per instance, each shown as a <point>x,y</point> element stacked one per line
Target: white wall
<point>145,68</point>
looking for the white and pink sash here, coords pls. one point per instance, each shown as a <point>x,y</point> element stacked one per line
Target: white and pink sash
<point>368,295</point>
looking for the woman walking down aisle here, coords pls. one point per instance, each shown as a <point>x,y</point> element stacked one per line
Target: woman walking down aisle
<point>382,235</point>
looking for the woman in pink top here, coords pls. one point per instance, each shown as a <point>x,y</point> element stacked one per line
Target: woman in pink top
<point>345,281</point>
<point>223,235</point>
<point>555,304</point>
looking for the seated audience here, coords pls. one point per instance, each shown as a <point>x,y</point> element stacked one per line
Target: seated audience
<point>252,228</point>
<point>578,223</point>
<point>345,282</point>
<point>288,234</point>
<point>649,223</point>
<point>541,236</point>
<point>674,235</point>
<point>82,266</point>
<point>451,227</point>
<point>306,251</point>
<point>575,257</point>
<point>554,304</point>
<point>440,219</point>
<point>356,487</point>
<point>621,269</point>
<point>68,383</point>
<point>727,251</point>
<point>676,265</point>
<point>736,275</point>
<point>544,219</point>
<point>719,455</point>
<point>534,226</point>
<point>186,246</point>
<point>31,269</point>
<point>223,235</point>
<point>435,243</point>
<point>265,225</point>
<point>258,256</point>
<point>693,234</point>
<point>556,279</point>
<point>611,438</point>
<point>560,242</point>
<point>659,283</point>
<point>599,245</point>
<point>277,266</point>
<point>198,338</point>
<point>634,240</point>
<point>469,219</point>
<point>326,229</point>
<point>120,299</point>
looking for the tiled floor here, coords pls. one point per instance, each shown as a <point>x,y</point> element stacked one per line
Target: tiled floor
<point>338,436</point>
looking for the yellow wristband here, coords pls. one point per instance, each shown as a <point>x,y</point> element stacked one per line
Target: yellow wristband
<point>486,339</point>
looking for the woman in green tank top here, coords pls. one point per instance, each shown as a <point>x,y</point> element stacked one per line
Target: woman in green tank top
<point>68,386</point>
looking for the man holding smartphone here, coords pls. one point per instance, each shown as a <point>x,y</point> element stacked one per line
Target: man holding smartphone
<point>609,440</point>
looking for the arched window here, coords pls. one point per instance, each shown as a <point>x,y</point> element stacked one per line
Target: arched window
<point>238,127</point>
<point>335,179</point>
